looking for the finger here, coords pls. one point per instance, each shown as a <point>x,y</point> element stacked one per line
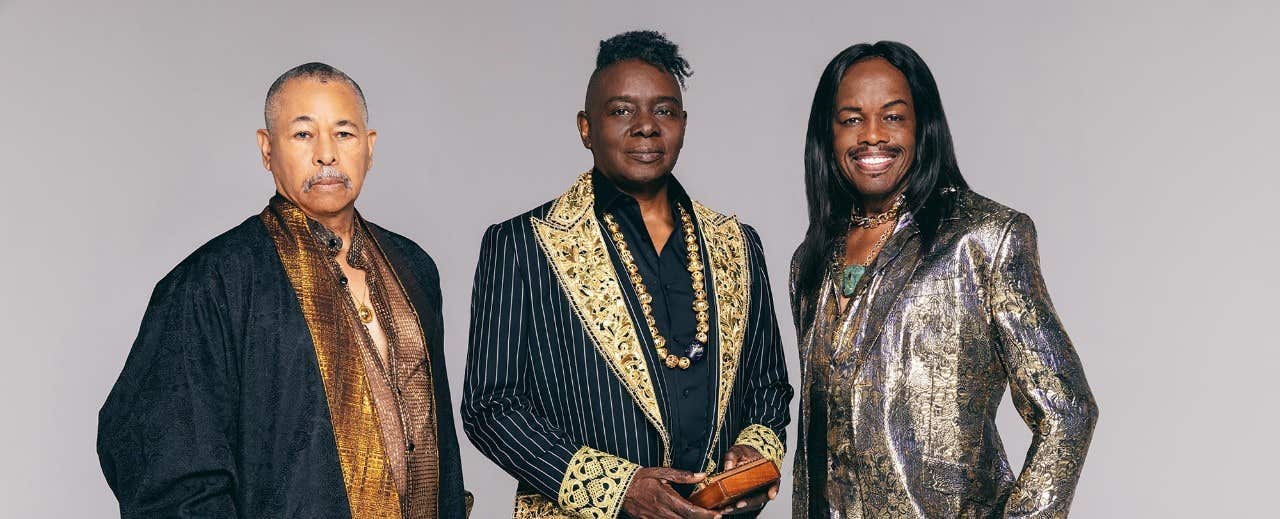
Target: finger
<point>750,504</point>
<point>665,506</point>
<point>755,502</point>
<point>732,508</point>
<point>686,509</point>
<point>773,491</point>
<point>677,475</point>
<point>748,454</point>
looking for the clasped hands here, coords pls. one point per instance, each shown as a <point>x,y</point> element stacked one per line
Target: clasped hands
<point>650,495</point>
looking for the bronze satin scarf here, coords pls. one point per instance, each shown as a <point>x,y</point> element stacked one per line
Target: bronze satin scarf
<point>371,491</point>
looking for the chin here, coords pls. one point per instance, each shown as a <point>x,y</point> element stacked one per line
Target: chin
<point>876,189</point>
<point>326,203</point>
<point>640,175</point>
<point>881,186</point>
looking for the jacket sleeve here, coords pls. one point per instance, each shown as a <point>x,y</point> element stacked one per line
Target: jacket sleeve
<point>162,434</point>
<point>766,393</point>
<point>793,293</point>
<point>1045,374</point>
<point>496,411</point>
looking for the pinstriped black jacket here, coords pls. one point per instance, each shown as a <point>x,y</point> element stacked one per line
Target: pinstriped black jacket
<point>561,385</point>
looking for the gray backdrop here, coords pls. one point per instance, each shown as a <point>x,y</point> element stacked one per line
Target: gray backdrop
<point>1135,135</point>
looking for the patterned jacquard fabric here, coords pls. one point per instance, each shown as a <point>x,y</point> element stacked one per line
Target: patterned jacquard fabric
<point>901,388</point>
<point>307,262</point>
<point>413,460</point>
<point>406,418</point>
<point>226,360</point>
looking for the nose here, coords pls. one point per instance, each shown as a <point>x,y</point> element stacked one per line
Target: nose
<point>872,134</point>
<point>325,151</point>
<point>645,125</point>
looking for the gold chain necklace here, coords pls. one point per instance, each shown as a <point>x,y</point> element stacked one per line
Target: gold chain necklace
<point>867,222</point>
<point>851,275</point>
<point>700,305</point>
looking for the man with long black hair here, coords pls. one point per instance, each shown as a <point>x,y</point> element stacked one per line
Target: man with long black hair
<point>623,338</point>
<point>917,301</point>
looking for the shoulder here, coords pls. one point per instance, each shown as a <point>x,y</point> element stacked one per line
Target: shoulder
<point>518,224</point>
<point>405,246</point>
<point>226,263</point>
<point>988,222</point>
<point>240,247</point>
<point>973,212</point>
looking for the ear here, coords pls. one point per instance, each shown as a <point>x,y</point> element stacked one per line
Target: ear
<point>584,128</point>
<point>264,144</point>
<point>372,135</point>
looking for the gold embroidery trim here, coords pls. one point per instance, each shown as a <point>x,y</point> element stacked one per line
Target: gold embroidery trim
<point>727,253</point>
<point>371,492</point>
<point>764,441</point>
<point>574,245</point>
<point>535,506</point>
<point>595,484</point>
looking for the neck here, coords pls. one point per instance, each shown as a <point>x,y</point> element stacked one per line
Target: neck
<point>654,204</point>
<point>874,205</point>
<point>651,196</point>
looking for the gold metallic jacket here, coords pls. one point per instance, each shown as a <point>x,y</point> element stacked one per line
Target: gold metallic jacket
<point>916,373</point>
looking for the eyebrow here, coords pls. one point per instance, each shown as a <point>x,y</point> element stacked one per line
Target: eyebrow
<point>629,99</point>
<point>859,108</point>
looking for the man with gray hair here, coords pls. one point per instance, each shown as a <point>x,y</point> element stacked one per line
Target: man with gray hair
<point>293,366</point>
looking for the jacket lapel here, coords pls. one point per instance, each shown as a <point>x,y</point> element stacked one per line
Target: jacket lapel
<point>574,245</point>
<point>371,492</point>
<point>726,250</point>
<point>895,266</point>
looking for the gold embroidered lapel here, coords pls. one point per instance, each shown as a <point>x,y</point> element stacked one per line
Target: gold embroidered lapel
<point>726,246</point>
<point>371,492</point>
<point>574,244</point>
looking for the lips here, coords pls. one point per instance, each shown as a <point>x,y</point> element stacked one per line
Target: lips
<point>645,155</point>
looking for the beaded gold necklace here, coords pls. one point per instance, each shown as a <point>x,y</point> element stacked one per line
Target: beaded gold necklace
<point>698,347</point>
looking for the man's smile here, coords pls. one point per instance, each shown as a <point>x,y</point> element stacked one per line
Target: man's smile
<point>874,162</point>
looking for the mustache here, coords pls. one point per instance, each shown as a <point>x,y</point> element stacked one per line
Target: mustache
<point>888,147</point>
<point>326,173</point>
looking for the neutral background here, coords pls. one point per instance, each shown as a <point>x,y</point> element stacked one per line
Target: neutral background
<point>1139,137</point>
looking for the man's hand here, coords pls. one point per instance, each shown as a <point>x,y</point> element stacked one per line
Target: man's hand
<point>650,495</point>
<point>737,455</point>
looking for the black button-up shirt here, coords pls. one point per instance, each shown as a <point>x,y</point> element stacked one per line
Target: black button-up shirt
<point>689,394</point>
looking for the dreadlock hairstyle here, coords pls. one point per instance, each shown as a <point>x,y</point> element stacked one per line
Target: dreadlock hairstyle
<point>651,47</point>
<point>832,197</point>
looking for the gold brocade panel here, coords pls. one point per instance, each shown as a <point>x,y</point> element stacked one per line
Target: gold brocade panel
<point>370,488</point>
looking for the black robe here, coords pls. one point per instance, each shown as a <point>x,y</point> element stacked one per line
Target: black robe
<point>220,409</point>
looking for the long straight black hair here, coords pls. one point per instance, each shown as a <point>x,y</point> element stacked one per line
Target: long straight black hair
<point>832,197</point>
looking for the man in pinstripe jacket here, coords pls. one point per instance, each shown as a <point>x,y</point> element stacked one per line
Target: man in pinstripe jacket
<point>623,337</point>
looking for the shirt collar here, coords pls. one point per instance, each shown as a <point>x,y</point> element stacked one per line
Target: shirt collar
<point>332,243</point>
<point>608,196</point>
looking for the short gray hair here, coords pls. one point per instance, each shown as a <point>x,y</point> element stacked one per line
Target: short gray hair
<point>316,71</point>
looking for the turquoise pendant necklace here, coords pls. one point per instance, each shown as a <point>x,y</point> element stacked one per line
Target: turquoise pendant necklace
<point>851,276</point>
<point>849,279</point>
